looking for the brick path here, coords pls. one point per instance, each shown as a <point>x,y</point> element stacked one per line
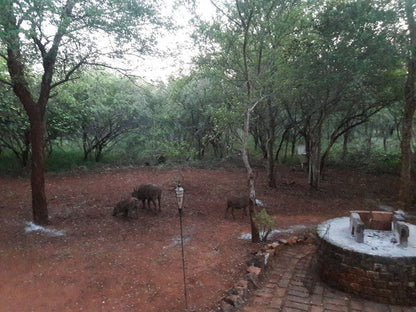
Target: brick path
<point>285,289</point>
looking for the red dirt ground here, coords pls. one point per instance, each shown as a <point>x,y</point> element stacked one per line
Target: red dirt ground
<point>106,263</point>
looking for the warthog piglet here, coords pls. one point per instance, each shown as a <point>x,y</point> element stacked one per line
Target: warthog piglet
<point>125,206</point>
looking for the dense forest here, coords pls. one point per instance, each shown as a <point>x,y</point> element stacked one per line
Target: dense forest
<point>333,78</point>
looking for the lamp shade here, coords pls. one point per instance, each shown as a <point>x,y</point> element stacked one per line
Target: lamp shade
<point>179,196</point>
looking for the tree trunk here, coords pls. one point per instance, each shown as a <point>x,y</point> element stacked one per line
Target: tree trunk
<point>286,148</point>
<point>39,204</point>
<point>246,23</point>
<point>369,134</point>
<point>409,111</point>
<point>271,176</point>
<point>279,148</point>
<point>293,147</point>
<point>314,156</point>
<point>314,164</point>
<point>406,151</point>
<point>270,144</point>
<point>255,236</point>
<point>345,145</point>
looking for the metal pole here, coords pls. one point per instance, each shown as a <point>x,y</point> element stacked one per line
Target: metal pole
<point>183,262</point>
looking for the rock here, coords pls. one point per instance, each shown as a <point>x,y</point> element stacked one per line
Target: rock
<point>252,278</point>
<point>254,269</point>
<point>234,300</point>
<point>241,284</point>
<point>273,245</point>
<point>257,261</point>
<point>292,240</point>
<point>226,307</point>
<point>241,288</point>
<point>271,252</point>
<point>309,239</point>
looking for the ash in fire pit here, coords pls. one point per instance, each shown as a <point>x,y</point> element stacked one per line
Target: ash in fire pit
<point>374,242</point>
<point>380,265</point>
<point>382,221</point>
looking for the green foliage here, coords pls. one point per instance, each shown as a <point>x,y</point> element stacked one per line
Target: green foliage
<point>205,114</point>
<point>10,164</point>
<point>65,114</point>
<point>315,67</point>
<point>67,159</point>
<point>264,222</point>
<point>377,162</point>
<point>14,127</point>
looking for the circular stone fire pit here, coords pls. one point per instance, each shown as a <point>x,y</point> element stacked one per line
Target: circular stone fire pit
<point>380,268</point>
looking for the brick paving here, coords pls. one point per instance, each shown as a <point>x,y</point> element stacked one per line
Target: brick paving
<point>292,286</point>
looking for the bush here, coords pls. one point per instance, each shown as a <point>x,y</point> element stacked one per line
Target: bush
<point>264,223</point>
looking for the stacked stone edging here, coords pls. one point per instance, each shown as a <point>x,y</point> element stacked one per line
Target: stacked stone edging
<point>256,268</point>
<point>382,279</point>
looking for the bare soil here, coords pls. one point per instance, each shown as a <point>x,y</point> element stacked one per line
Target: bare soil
<point>106,263</point>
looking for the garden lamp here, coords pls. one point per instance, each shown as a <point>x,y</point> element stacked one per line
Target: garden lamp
<point>179,196</point>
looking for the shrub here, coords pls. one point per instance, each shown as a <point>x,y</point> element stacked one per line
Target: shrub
<point>264,223</point>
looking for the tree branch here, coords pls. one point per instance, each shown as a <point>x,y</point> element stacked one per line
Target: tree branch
<point>70,73</point>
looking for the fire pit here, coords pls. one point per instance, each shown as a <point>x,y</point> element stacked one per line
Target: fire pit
<point>371,254</point>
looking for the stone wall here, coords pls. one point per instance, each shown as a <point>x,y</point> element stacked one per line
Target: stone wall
<point>383,279</point>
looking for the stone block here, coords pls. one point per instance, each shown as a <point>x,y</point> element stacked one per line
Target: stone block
<point>383,216</point>
<point>226,306</point>
<point>381,220</point>
<point>364,215</point>
<point>273,245</point>
<point>254,270</point>
<point>401,232</point>
<point>357,227</point>
<point>376,220</point>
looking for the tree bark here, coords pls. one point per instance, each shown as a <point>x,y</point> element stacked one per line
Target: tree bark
<point>37,177</point>
<point>314,156</point>
<point>255,236</point>
<point>270,144</point>
<point>345,145</point>
<point>245,24</point>
<point>409,110</point>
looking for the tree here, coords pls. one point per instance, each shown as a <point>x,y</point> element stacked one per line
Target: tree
<point>410,102</point>
<point>205,117</point>
<point>57,38</point>
<point>339,73</point>
<point>242,46</point>
<point>111,107</point>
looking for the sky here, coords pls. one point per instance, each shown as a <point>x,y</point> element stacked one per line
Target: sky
<point>178,44</point>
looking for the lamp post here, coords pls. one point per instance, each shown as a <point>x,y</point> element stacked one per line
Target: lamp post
<point>179,196</point>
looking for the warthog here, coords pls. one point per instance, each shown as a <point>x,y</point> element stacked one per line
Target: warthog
<point>237,203</point>
<point>125,206</point>
<point>149,193</point>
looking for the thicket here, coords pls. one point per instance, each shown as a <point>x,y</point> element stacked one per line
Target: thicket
<point>330,80</point>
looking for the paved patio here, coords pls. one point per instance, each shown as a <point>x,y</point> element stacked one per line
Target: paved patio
<point>290,286</point>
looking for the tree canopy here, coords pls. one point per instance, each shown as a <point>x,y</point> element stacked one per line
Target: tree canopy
<point>269,75</point>
<point>56,39</point>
